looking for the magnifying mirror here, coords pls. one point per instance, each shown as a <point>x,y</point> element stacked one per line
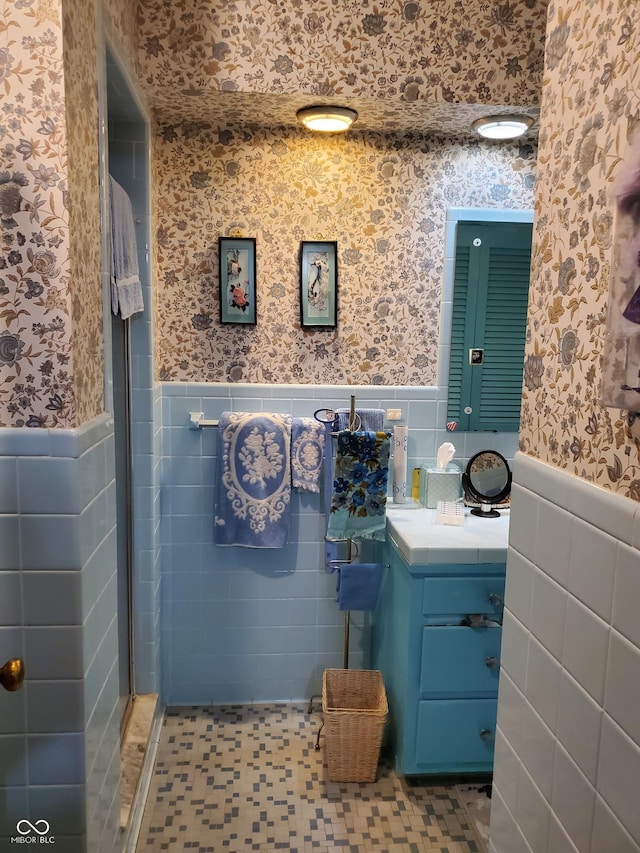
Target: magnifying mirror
<point>487,481</point>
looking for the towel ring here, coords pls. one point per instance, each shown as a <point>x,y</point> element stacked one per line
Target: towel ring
<point>330,416</point>
<point>357,421</point>
<point>334,565</point>
<point>325,416</point>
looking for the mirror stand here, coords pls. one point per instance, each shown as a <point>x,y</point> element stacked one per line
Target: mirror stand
<point>487,481</point>
<point>485,511</point>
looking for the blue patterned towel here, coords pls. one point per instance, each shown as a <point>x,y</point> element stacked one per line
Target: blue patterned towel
<point>307,453</point>
<point>369,419</point>
<point>358,586</point>
<point>359,498</point>
<point>254,480</point>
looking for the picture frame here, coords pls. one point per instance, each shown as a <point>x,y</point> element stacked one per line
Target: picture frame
<point>237,280</point>
<point>318,284</point>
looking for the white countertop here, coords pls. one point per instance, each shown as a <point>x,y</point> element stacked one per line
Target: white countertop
<point>420,541</point>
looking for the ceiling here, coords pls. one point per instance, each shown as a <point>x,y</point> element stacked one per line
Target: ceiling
<point>220,109</point>
<point>429,68</point>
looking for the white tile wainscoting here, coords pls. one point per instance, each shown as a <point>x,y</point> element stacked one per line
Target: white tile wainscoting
<point>567,758</point>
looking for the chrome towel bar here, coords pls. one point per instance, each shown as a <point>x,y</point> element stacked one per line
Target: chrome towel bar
<point>197,421</point>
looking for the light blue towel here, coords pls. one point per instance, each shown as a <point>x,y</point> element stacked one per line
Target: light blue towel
<point>358,586</point>
<point>359,498</point>
<point>254,480</point>
<point>307,453</point>
<point>372,419</point>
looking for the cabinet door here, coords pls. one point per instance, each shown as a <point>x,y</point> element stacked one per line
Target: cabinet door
<point>456,733</point>
<point>460,661</point>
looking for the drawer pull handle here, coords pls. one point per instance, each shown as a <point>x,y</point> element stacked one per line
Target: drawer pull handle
<point>491,661</point>
<point>495,598</point>
<point>486,734</point>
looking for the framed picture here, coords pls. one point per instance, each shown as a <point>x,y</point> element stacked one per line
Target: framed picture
<point>318,284</point>
<point>237,259</point>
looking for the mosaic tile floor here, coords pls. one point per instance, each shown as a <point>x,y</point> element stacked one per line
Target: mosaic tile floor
<point>242,778</point>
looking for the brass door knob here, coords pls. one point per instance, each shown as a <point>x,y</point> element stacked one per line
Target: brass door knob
<point>12,674</point>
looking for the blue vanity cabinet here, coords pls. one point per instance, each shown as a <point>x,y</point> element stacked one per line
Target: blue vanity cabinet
<point>440,662</point>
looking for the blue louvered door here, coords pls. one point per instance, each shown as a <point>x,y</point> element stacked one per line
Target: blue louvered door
<point>491,287</point>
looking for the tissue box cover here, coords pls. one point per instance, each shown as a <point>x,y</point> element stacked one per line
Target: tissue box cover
<point>440,484</point>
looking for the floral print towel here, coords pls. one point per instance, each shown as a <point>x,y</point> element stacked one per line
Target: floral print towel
<point>359,499</point>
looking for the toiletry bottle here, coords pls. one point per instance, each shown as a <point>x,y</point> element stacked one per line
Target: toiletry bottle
<point>398,463</point>
<point>390,418</point>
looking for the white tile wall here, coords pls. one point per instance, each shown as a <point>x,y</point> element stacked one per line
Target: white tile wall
<point>537,746</point>
<point>586,644</point>
<point>548,611</point>
<point>532,813</point>
<point>626,594</point>
<point>622,691</point>
<point>543,682</point>
<point>511,770</point>
<point>609,836</point>
<point>511,704</point>
<point>618,774</point>
<point>553,550</point>
<point>505,832</point>
<point>567,761</point>
<point>592,567</point>
<point>578,725</point>
<point>559,841</point>
<point>572,799</point>
<point>519,587</point>
<point>514,654</point>
<point>523,526</point>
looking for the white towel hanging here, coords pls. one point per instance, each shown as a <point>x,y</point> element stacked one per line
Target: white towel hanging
<point>126,288</point>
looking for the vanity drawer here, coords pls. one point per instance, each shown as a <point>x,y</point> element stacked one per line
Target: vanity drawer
<point>442,596</point>
<point>456,732</point>
<point>460,660</point>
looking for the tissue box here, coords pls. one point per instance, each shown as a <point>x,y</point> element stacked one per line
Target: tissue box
<point>439,484</point>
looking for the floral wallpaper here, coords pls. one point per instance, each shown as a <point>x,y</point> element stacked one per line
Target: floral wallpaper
<point>590,110</point>
<point>122,22</point>
<point>235,68</point>
<point>383,198</point>
<point>83,201</point>
<point>389,54</point>
<point>51,363</point>
<point>36,364</point>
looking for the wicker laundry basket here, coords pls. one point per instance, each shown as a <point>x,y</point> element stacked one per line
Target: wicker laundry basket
<point>354,706</point>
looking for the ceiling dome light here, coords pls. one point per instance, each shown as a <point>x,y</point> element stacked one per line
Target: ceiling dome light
<point>327,119</point>
<point>503,126</point>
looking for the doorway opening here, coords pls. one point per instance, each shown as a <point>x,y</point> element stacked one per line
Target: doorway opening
<point>127,163</point>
